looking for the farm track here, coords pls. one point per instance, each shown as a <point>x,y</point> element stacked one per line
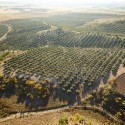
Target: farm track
<point>26,114</point>
<point>41,113</point>
<point>18,115</point>
<point>5,35</point>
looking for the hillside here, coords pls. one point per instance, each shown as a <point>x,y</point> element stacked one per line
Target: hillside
<point>120,84</point>
<point>111,26</point>
<point>106,98</point>
<point>3,29</point>
<point>54,67</point>
<point>32,33</point>
<point>59,118</point>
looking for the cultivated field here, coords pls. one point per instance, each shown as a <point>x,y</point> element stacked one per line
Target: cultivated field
<point>50,62</point>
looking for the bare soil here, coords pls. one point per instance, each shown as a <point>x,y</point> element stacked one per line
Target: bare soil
<point>120,82</point>
<point>52,118</point>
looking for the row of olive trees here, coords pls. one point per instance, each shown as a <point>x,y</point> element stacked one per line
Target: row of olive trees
<point>107,98</point>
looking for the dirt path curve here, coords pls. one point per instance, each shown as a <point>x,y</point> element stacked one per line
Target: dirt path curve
<point>101,110</point>
<point>5,35</point>
<point>18,115</point>
<point>26,114</point>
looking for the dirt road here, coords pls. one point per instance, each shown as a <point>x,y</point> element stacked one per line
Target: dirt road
<point>19,115</point>
<point>5,35</point>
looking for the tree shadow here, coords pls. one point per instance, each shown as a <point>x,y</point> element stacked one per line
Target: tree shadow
<point>106,78</point>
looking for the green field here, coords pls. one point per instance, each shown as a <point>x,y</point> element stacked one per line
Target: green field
<point>3,30</point>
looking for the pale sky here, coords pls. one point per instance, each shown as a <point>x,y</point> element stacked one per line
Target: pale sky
<point>68,2</point>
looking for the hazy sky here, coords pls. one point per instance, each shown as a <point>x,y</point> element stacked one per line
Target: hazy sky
<point>68,2</point>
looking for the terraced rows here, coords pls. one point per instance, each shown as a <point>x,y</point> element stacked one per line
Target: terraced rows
<point>22,34</point>
<point>66,65</point>
<point>70,56</point>
<point>86,40</point>
<point>60,37</point>
<point>116,28</point>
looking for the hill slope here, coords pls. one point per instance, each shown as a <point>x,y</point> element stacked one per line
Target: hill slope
<point>120,84</point>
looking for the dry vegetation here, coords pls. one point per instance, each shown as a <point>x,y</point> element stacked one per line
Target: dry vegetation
<point>120,84</point>
<point>53,118</point>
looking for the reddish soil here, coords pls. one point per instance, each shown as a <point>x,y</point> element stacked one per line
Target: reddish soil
<point>120,82</point>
